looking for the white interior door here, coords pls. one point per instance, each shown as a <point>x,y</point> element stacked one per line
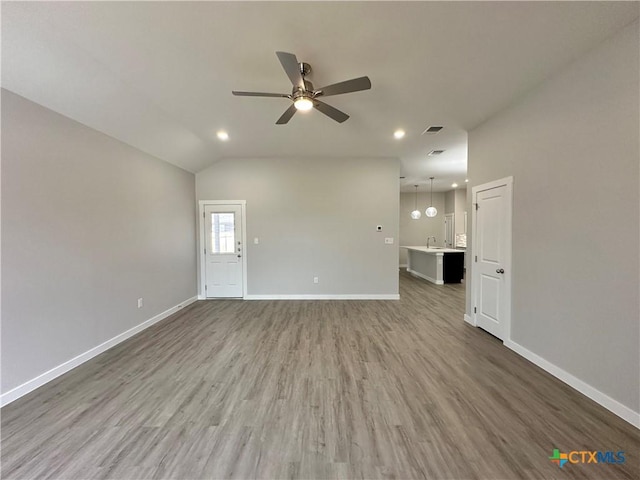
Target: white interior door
<point>492,259</point>
<point>224,251</point>
<point>449,229</point>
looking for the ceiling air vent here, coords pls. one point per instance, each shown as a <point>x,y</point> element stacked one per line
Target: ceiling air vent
<point>432,129</point>
<point>433,153</point>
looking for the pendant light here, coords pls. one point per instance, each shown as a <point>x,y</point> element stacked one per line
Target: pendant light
<point>416,213</point>
<point>431,211</point>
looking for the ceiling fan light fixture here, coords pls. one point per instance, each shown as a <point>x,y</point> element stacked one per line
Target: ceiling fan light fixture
<point>304,94</point>
<point>303,104</point>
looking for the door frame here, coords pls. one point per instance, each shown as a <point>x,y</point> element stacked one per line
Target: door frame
<point>475,281</point>
<point>201,242</point>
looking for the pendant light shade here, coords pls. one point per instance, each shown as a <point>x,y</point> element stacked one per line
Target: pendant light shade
<point>431,211</point>
<point>416,213</point>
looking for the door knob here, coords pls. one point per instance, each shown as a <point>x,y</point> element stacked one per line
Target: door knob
<point>239,256</point>
<point>500,270</point>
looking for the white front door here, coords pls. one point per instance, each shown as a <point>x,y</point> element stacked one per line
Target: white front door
<point>492,258</point>
<point>223,251</point>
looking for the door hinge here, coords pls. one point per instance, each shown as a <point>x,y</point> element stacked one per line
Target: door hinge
<point>477,206</point>
<point>204,215</point>
<point>475,310</point>
<point>205,287</point>
<point>476,258</point>
<point>205,251</point>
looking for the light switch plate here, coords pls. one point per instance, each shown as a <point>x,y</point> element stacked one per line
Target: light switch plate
<point>256,241</point>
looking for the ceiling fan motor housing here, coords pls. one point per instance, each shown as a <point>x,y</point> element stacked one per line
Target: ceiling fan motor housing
<point>308,87</point>
<point>299,93</point>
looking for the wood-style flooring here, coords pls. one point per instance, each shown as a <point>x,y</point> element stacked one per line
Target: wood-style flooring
<point>312,390</point>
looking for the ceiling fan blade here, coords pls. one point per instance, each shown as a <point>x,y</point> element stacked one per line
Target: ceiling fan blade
<point>348,86</point>
<point>286,116</point>
<point>330,111</point>
<point>292,68</point>
<point>259,94</point>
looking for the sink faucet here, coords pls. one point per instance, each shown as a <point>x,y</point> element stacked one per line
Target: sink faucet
<point>429,238</point>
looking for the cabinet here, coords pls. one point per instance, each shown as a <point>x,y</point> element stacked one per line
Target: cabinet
<point>453,267</point>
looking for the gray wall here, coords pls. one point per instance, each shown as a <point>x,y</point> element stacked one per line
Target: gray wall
<point>460,208</point>
<point>314,217</point>
<point>415,232</point>
<point>89,225</point>
<point>455,201</point>
<point>572,146</point>
<point>450,201</point>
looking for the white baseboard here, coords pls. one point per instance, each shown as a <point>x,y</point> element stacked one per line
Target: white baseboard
<point>355,296</point>
<point>594,394</point>
<point>46,377</point>
<point>421,275</point>
<point>469,320</point>
<point>403,265</point>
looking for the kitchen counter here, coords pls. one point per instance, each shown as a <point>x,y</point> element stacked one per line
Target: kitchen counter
<point>434,250</point>
<point>438,265</point>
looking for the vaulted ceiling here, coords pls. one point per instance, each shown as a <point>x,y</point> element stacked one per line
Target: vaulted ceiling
<point>159,75</point>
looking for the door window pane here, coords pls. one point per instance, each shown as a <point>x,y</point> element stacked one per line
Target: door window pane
<point>223,233</point>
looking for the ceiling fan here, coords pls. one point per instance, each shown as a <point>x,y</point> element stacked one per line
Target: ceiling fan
<point>304,96</point>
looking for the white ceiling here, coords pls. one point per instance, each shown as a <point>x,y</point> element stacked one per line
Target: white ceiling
<point>159,75</point>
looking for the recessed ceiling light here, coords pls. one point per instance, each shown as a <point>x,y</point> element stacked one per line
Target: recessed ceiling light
<point>222,135</point>
<point>398,134</point>
<point>466,180</point>
<point>454,185</point>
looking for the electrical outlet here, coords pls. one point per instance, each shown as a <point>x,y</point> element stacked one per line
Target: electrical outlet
<point>315,279</point>
<point>139,303</point>
<point>388,240</point>
<point>256,241</point>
